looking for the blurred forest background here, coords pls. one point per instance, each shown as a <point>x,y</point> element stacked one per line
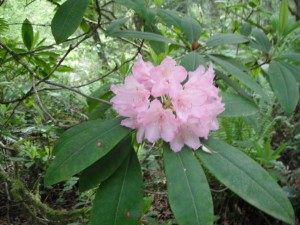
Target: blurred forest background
<point>75,73</point>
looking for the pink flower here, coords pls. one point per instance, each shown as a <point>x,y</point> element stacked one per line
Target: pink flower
<point>141,71</point>
<point>189,102</point>
<point>186,135</point>
<point>156,123</point>
<point>161,104</point>
<point>130,99</point>
<point>167,78</point>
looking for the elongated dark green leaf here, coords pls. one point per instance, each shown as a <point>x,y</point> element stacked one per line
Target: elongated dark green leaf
<point>141,35</point>
<point>170,17</point>
<point>260,41</point>
<point>83,145</point>
<point>106,166</point>
<point>283,15</point>
<point>27,34</point>
<point>116,25</point>
<point>284,86</point>
<point>225,39</point>
<point>294,70</point>
<point>236,86</point>
<point>188,190</point>
<point>237,106</point>
<point>119,199</point>
<point>247,179</point>
<point>238,73</point>
<point>157,46</point>
<point>192,60</point>
<point>291,56</point>
<point>67,19</point>
<point>191,28</point>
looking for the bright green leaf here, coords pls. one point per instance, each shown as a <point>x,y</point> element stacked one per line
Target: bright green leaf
<point>225,39</point>
<point>119,199</point>
<point>188,190</point>
<point>283,15</point>
<point>83,145</point>
<point>284,86</point>
<point>27,34</point>
<point>192,60</point>
<point>247,179</point>
<point>67,19</point>
<point>191,28</point>
<point>106,166</point>
<point>237,106</point>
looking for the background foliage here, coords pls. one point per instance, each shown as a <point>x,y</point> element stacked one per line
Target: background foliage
<point>57,64</point>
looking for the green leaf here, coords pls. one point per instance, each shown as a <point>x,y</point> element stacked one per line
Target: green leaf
<point>260,41</point>
<point>225,39</point>
<point>67,19</point>
<point>141,35</point>
<point>157,46</point>
<point>170,17</point>
<point>119,199</point>
<point>230,67</point>
<point>105,167</point>
<point>83,145</point>
<point>188,190</point>
<point>27,34</point>
<point>283,15</point>
<point>294,70</point>
<point>291,56</point>
<point>247,179</point>
<point>139,6</point>
<point>99,93</point>
<point>245,29</point>
<point>116,25</point>
<point>192,60</point>
<point>237,106</point>
<point>284,86</point>
<point>191,28</point>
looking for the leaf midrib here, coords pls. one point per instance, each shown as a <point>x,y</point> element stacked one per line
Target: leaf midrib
<point>121,191</point>
<point>261,187</point>
<point>190,190</point>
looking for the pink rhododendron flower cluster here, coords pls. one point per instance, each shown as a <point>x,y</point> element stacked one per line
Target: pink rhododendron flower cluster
<point>167,102</point>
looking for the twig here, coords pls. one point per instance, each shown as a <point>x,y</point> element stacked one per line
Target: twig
<point>76,91</point>
<point>219,191</point>
<point>39,102</point>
